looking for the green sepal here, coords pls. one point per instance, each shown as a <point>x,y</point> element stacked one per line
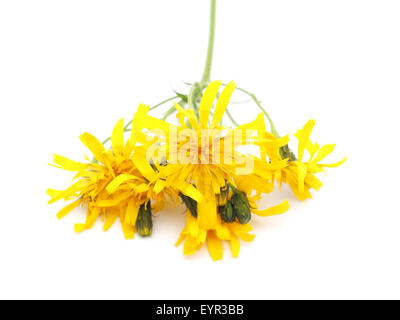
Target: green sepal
<point>190,204</point>
<point>182,96</point>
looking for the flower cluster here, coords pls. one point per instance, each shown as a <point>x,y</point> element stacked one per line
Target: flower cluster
<point>196,163</point>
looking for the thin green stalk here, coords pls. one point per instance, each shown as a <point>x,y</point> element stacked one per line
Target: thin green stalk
<point>162,102</point>
<point>207,70</point>
<point>168,113</point>
<point>254,98</point>
<point>231,118</point>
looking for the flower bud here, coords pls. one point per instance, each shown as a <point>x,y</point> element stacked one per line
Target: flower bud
<point>144,222</point>
<point>241,207</point>
<point>227,213</point>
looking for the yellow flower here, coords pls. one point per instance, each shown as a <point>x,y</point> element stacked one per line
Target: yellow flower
<point>300,174</point>
<point>207,160</point>
<point>119,183</point>
<point>189,162</point>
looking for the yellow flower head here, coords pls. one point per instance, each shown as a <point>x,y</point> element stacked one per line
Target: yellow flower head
<point>300,174</point>
<point>118,183</point>
<point>204,155</point>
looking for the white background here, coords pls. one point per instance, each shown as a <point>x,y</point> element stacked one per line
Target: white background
<point>67,67</point>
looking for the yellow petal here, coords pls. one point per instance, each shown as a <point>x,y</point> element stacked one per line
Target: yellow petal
<point>235,246</point>
<point>159,186</point>
<point>180,239</point>
<point>323,152</point>
<point>67,164</point>
<point>334,165</point>
<point>94,145</point>
<point>137,123</point>
<point>110,219</point>
<point>278,209</point>
<point>140,161</point>
<point>79,186</point>
<point>54,193</point>
<point>158,126</point>
<point>90,220</point>
<point>214,245</point>
<point>189,190</point>
<point>63,212</point>
<point>112,202</point>
<point>190,245</point>
<point>312,182</point>
<point>143,187</point>
<point>207,101</point>
<point>242,231</point>
<point>301,175</point>
<point>222,103</point>
<point>206,209</point>
<point>190,115</point>
<point>128,230</point>
<point>117,137</point>
<point>303,136</point>
<point>131,213</point>
<point>117,181</point>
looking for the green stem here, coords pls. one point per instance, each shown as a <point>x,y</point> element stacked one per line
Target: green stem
<point>168,113</point>
<point>231,118</point>
<point>254,98</point>
<point>211,37</point>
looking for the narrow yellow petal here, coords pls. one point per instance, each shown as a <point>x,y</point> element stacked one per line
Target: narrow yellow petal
<point>137,123</point>
<point>131,213</point>
<point>334,165</point>
<point>128,230</point>
<point>54,193</point>
<point>190,246</point>
<point>78,187</point>
<point>110,219</point>
<point>323,152</point>
<point>214,245</point>
<point>158,126</point>
<point>242,231</point>
<point>301,175</point>
<point>312,182</point>
<point>222,103</point>
<point>235,246</point>
<point>207,209</point>
<point>140,161</point>
<point>94,145</point>
<point>180,239</point>
<point>189,190</point>
<point>190,115</point>
<point>112,202</point>
<point>117,137</point>
<point>90,220</point>
<point>278,209</point>
<point>63,212</point>
<point>207,101</point>
<point>159,186</point>
<point>303,136</point>
<point>117,181</point>
<point>67,164</point>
